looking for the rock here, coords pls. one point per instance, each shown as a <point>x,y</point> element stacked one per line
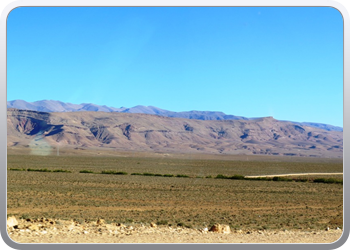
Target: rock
<point>12,221</point>
<point>153,225</point>
<point>33,227</point>
<point>100,222</point>
<point>218,228</point>
<point>52,222</point>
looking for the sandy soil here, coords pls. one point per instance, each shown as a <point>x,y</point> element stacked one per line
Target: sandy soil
<point>49,231</point>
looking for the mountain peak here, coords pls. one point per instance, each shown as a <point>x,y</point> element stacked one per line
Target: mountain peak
<point>59,106</point>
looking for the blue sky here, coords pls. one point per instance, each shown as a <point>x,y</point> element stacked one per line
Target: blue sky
<point>253,62</point>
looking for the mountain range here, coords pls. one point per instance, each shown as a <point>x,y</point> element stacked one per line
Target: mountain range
<point>154,133</point>
<point>58,106</point>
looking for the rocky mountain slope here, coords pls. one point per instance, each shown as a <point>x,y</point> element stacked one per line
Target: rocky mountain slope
<point>143,132</point>
<point>58,106</point>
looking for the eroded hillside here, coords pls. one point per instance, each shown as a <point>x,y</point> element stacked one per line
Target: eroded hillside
<point>143,132</point>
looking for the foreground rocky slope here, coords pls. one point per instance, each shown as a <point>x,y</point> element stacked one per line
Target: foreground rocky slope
<point>143,132</point>
<point>60,231</point>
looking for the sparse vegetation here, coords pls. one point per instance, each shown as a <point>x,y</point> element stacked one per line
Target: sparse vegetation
<point>219,176</point>
<point>299,203</point>
<point>61,171</point>
<point>233,177</point>
<point>168,175</point>
<point>329,180</point>
<point>148,174</point>
<point>113,172</point>
<point>182,176</point>
<point>38,170</point>
<point>277,178</point>
<point>86,172</point>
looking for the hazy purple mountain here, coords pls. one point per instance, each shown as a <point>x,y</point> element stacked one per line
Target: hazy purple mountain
<point>44,105</point>
<point>155,133</point>
<point>146,110</point>
<point>20,104</point>
<point>94,107</point>
<point>58,106</point>
<point>321,126</point>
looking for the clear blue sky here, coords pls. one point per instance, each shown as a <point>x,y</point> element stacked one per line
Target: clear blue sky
<point>253,62</point>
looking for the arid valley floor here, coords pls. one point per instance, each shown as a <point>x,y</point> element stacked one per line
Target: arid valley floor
<point>181,195</point>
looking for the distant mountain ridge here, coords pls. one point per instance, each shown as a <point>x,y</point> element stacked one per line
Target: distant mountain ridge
<point>43,131</point>
<point>58,106</point>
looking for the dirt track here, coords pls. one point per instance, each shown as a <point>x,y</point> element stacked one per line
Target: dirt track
<point>281,175</point>
<point>70,232</point>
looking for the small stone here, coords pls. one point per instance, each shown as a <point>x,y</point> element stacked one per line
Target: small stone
<point>153,225</point>
<point>100,222</point>
<point>33,227</point>
<point>220,228</point>
<point>12,221</point>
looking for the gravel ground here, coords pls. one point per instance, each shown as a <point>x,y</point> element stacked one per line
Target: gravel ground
<point>50,231</point>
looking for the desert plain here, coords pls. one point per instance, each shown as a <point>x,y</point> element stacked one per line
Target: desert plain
<point>108,196</point>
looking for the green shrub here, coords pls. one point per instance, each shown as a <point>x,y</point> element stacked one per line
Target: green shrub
<point>236,177</point>
<point>121,173</point>
<point>329,180</point>
<point>258,179</point>
<point>158,175</point>
<point>209,176</point>
<point>25,216</point>
<point>148,174</point>
<point>38,170</point>
<point>278,178</point>
<point>136,174</point>
<point>168,175</point>
<point>220,176</point>
<point>182,176</point>
<point>61,171</point>
<point>301,180</point>
<point>113,172</point>
<point>86,172</point>
<point>107,172</point>
<point>17,169</point>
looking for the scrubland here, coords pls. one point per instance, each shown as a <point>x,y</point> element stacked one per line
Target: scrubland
<point>74,188</point>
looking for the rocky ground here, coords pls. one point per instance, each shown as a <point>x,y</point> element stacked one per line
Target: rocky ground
<point>59,231</point>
